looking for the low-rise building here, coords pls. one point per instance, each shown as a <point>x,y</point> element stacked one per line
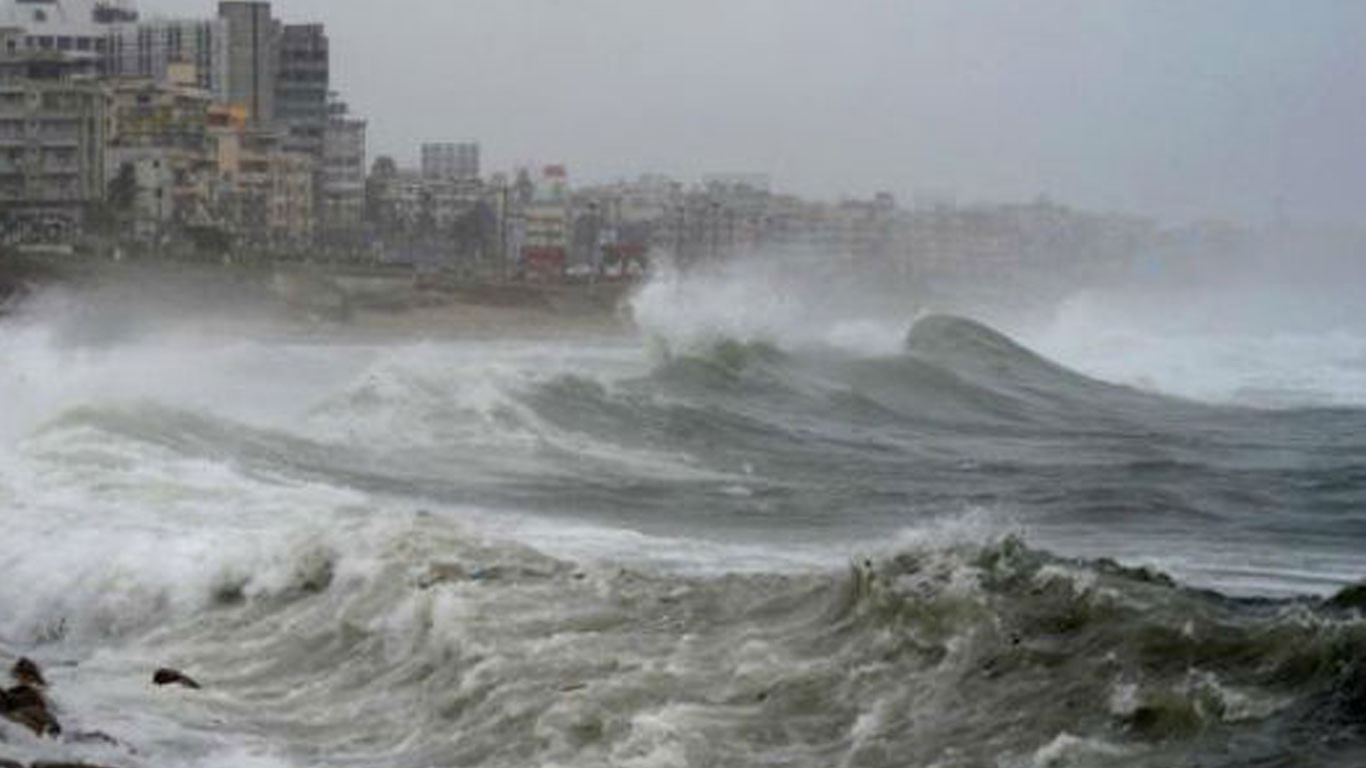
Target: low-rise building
<point>54,128</point>
<point>261,194</point>
<point>170,113</point>
<point>450,160</point>
<point>291,219</point>
<point>159,141</point>
<point>544,229</point>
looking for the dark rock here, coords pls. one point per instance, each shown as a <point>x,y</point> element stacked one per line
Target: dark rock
<point>25,672</point>
<point>230,594</point>
<point>22,697</point>
<point>40,721</point>
<point>26,706</point>
<point>1350,597</point>
<point>173,677</point>
<point>10,764</point>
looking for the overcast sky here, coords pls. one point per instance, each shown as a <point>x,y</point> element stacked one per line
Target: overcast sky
<point>1177,108</point>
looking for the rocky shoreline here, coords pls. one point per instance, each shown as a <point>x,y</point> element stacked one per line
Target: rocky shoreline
<point>323,298</point>
<point>27,711</point>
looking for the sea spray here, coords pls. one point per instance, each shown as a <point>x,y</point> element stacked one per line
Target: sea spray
<point>757,548</point>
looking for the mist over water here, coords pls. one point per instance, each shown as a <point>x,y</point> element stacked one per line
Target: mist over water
<point>1246,328</point>
<point>1272,323</point>
<point>1201,352</point>
<point>796,518</point>
<point>1006,407</point>
<point>793,298</point>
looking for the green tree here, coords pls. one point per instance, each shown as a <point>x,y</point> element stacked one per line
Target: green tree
<point>123,190</point>
<point>108,218</point>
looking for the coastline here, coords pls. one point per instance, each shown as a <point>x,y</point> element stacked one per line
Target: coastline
<point>307,303</point>
<point>322,300</point>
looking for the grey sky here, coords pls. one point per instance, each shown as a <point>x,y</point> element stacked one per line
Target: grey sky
<point>1180,108</point>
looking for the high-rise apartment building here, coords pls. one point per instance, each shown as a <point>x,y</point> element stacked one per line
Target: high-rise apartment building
<point>252,57</point>
<point>149,48</point>
<point>111,34</point>
<point>301,87</point>
<point>73,27</point>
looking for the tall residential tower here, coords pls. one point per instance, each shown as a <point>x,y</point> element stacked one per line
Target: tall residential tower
<point>301,87</point>
<point>252,56</point>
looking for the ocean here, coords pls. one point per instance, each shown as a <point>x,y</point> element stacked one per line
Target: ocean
<point>755,532</point>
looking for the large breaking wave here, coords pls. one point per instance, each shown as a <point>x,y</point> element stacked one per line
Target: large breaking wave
<point>719,551</point>
<point>430,646</point>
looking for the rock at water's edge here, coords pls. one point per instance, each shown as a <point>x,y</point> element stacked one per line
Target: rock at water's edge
<point>166,676</point>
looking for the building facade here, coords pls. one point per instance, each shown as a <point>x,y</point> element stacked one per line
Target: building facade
<point>450,160</point>
<point>252,58</point>
<point>159,140</point>
<point>544,230</point>
<point>268,192</point>
<point>301,87</point>
<point>54,127</point>
<point>150,48</point>
<point>342,207</point>
<point>74,27</point>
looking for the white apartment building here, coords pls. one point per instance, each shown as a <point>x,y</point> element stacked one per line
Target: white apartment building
<point>450,160</point>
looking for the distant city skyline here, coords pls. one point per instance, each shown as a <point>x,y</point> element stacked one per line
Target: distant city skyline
<point>1217,109</point>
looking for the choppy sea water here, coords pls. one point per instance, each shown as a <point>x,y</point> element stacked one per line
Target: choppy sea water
<point>704,544</point>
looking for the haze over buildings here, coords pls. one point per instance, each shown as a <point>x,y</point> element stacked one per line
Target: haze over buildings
<point>205,129</point>
<point>224,134</point>
<point>450,160</point>
<point>1179,109</point>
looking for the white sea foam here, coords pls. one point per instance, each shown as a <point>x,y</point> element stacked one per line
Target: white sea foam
<point>181,496</point>
<point>111,530</point>
<point>1067,750</point>
<point>799,300</point>
<point>1191,347</point>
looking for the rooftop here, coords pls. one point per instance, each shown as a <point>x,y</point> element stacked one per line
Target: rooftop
<point>64,16</point>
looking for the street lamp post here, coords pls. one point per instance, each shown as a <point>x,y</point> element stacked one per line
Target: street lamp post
<point>682,221</point>
<point>715,229</point>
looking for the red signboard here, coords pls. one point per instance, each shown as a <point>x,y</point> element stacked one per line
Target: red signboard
<point>544,265</point>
